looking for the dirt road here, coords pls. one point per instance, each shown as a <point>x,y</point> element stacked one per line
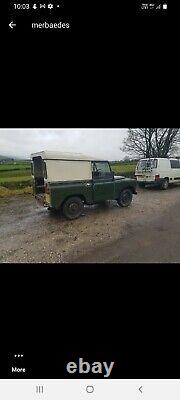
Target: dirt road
<point>147,231</point>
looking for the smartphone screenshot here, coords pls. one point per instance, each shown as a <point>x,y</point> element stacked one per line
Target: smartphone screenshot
<point>89,208</point>
<point>89,252</point>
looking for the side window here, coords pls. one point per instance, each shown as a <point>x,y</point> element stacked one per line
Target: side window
<point>175,163</point>
<point>101,169</point>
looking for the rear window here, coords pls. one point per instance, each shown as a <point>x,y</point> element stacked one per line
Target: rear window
<point>147,164</point>
<point>175,163</point>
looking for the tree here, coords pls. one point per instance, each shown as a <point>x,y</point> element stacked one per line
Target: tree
<point>126,159</point>
<point>152,142</point>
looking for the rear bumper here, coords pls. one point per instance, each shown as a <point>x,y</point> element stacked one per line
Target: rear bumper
<point>155,182</point>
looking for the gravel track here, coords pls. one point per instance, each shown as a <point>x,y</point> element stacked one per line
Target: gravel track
<point>147,231</point>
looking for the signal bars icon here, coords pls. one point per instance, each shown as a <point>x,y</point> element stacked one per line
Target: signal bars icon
<point>39,389</point>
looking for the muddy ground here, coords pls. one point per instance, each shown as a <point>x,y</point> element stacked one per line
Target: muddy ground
<point>147,231</point>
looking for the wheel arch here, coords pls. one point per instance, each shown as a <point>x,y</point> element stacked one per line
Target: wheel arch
<point>130,187</point>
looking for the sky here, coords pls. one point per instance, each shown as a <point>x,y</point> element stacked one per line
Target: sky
<point>102,143</point>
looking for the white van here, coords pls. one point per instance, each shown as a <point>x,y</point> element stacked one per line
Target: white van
<point>158,171</point>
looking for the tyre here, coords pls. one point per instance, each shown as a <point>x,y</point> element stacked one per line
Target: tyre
<point>164,184</point>
<point>73,208</point>
<point>125,198</point>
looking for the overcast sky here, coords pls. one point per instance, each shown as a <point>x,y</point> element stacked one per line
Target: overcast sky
<point>102,143</point>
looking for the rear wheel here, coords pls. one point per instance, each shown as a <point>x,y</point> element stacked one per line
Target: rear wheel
<point>125,198</point>
<point>164,184</point>
<point>73,208</point>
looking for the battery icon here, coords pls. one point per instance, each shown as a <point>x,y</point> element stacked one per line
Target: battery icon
<point>164,6</point>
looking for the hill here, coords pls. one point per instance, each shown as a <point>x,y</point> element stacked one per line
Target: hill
<point>6,159</point>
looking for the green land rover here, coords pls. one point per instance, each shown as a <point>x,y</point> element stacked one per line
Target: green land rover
<point>68,181</point>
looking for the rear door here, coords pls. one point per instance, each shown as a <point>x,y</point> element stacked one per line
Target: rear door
<point>38,169</point>
<point>103,181</point>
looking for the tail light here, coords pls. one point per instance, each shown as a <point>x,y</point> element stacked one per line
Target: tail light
<point>47,190</point>
<point>157,177</point>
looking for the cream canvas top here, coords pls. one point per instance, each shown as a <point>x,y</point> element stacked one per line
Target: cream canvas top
<point>66,166</point>
<point>57,155</point>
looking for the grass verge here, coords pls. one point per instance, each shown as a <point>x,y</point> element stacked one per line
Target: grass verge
<point>6,192</point>
<point>19,184</point>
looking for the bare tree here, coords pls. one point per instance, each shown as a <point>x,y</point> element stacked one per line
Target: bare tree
<point>152,142</point>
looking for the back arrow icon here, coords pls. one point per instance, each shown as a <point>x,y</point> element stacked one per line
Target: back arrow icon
<point>12,25</point>
<point>140,389</point>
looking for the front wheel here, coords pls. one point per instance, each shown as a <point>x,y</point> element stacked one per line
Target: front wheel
<point>73,208</point>
<point>125,198</point>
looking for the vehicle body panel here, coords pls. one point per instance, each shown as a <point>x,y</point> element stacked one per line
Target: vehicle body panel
<point>61,191</point>
<point>89,191</point>
<point>103,190</point>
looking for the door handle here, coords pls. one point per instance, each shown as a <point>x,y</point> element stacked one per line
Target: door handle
<point>88,184</point>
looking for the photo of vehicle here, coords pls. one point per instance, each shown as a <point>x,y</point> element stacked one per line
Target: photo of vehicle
<point>77,195</point>
<point>158,171</point>
<point>69,181</point>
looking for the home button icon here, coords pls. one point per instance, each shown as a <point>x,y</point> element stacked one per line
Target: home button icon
<point>89,389</point>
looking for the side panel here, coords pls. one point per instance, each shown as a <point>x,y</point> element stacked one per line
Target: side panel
<point>68,170</point>
<point>166,171</point>
<point>175,176</point>
<point>103,190</point>
<point>61,191</point>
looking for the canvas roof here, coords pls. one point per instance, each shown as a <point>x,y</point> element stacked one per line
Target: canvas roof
<point>64,156</point>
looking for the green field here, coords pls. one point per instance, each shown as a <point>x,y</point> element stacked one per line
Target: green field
<point>15,166</point>
<point>15,175</point>
<point>125,169</point>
